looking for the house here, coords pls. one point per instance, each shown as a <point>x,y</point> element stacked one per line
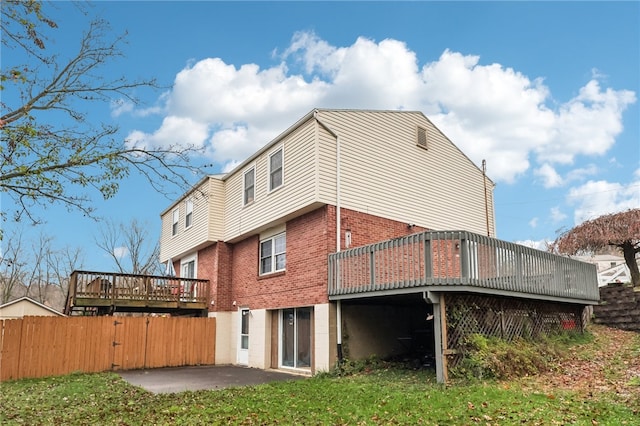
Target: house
<point>611,268</point>
<point>293,238</point>
<point>25,306</point>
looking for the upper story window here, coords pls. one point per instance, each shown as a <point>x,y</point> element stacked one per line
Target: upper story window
<point>249,186</point>
<point>273,254</point>
<point>188,219</point>
<point>276,169</point>
<point>176,219</point>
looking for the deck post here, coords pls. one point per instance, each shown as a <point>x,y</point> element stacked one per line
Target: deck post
<point>71,293</point>
<point>113,289</point>
<point>439,333</point>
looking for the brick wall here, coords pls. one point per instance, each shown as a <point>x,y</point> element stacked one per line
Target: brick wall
<point>303,283</point>
<point>207,265</point>
<point>619,307</point>
<point>223,278</point>
<point>233,268</point>
<point>214,264</point>
<point>368,229</point>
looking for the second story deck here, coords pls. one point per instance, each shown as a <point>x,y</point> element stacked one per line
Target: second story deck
<point>107,292</point>
<point>459,261</point>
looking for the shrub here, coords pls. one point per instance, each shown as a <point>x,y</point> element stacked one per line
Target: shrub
<point>494,358</point>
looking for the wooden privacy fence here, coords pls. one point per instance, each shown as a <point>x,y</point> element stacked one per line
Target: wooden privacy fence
<point>49,346</point>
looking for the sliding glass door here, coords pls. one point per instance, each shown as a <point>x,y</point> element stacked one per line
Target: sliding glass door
<point>295,338</point>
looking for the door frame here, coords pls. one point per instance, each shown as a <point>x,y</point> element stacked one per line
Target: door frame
<point>295,333</point>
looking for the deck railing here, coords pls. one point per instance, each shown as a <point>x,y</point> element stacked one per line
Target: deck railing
<point>112,288</point>
<point>458,259</point>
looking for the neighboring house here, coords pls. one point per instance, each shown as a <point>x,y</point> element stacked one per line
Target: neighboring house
<point>611,268</point>
<point>264,235</point>
<point>26,306</point>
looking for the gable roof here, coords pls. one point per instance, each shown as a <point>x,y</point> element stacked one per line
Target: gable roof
<point>34,302</point>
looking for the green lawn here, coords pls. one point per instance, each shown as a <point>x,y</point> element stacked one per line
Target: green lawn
<point>377,397</point>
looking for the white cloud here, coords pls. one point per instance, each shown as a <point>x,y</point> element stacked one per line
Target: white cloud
<point>550,177</point>
<point>557,215</point>
<point>597,198</point>
<point>121,106</point>
<point>587,124</point>
<point>533,222</point>
<point>534,244</point>
<point>491,112</point>
<point>121,252</point>
<point>581,173</point>
<point>174,131</point>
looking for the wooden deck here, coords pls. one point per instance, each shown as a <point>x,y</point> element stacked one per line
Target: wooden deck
<point>447,261</point>
<point>107,292</point>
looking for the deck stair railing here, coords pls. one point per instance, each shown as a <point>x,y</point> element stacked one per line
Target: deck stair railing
<point>458,260</point>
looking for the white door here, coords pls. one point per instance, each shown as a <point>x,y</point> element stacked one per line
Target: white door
<point>243,343</point>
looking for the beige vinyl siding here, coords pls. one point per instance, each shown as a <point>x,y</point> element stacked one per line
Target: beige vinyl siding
<point>297,192</point>
<point>216,209</point>
<point>207,222</point>
<point>326,166</point>
<point>384,172</point>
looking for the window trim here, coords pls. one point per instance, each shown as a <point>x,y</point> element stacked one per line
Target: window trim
<point>273,255</point>
<point>271,154</point>
<point>244,187</point>
<point>188,216</point>
<point>175,221</point>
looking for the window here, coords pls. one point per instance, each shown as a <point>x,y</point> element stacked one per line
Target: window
<point>176,219</point>
<point>249,186</point>
<point>273,256</point>
<point>189,213</point>
<point>275,169</point>
<point>188,289</point>
<point>422,137</point>
<point>244,329</point>
<point>189,269</point>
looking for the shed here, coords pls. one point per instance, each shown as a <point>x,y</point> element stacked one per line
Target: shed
<point>25,306</point>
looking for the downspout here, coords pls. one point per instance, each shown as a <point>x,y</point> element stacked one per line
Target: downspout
<point>338,248</point>
<point>338,227</point>
<point>486,202</point>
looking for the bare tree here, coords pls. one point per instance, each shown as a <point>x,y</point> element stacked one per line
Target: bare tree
<point>38,282</point>
<point>62,263</point>
<point>38,270</point>
<point>621,230</point>
<point>131,247</point>
<point>12,269</point>
<point>51,149</point>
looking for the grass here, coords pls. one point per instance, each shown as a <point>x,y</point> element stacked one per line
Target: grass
<point>597,383</point>
<point>386,396</point>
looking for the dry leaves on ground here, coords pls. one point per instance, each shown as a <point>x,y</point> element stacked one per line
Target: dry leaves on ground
<point>611,363</point>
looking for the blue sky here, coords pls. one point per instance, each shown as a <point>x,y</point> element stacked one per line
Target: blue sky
<point>546,92</point>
